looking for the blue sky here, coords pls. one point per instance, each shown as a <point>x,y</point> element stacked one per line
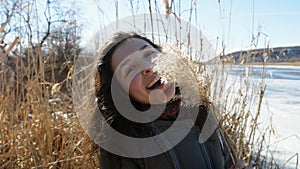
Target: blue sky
<point>233,22</point>
<point>277,19</point>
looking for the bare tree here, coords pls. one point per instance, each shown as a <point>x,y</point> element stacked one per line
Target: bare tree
<point>39,41</point>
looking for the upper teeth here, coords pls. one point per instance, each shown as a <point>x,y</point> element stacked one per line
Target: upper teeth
<point>152,82</point>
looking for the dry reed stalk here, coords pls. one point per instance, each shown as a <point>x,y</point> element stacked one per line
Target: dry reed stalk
<point>151,19</point>
<point>255,121</point>
<point>166,7</point>
<point>12,45</point>
<point>26,6</point>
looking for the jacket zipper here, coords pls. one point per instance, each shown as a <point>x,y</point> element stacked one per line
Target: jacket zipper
<point>171,152</point>
<point>204,152</point>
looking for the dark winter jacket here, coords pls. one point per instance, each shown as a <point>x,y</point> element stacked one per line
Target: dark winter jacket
<point>188,154</point>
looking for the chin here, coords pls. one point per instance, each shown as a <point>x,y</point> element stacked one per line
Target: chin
<point>169,95</point>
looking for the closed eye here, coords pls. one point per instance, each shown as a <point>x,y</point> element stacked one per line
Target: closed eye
<point>130,69</point>
<point>149,53</point>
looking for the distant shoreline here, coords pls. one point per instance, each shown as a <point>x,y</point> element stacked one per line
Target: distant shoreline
<point>276,63</point>
<point>270,63</point>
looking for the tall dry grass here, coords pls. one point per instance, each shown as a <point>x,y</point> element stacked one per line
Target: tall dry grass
<point>39,128</point>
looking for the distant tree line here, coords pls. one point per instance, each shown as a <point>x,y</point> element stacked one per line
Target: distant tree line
<point>279,54</point>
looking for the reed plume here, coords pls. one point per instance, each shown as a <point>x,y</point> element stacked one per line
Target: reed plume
<point>173,66</point>
<point>166,7</point>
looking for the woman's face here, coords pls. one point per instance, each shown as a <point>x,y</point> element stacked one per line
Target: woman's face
<point>132,66</point>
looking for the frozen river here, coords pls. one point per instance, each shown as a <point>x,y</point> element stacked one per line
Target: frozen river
<point>282,104</point>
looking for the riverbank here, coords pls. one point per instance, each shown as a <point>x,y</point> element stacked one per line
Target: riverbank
<point>270,63</point>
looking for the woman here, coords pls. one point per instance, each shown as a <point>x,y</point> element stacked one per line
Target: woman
<point>127,58</point>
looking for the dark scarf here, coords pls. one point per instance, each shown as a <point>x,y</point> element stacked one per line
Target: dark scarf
<point>171,111</point>
<point>142,130</point>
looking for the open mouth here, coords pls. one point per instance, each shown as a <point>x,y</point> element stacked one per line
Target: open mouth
<point>155,83</point>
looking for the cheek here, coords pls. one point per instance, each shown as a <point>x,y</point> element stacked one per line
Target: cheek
<point>125,83</point>
<point>134,85</point>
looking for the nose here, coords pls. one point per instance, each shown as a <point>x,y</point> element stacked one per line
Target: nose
<point>147,71</point>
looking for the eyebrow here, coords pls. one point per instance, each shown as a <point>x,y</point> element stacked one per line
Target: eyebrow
<point>145,46</point>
